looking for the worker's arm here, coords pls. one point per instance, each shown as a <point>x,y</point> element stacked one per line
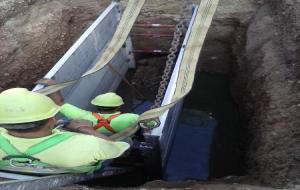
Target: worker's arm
<point>133,128</point>
<point>125,125</point>
<point>55,96</point>
<point>128,132</point>
<point>74,112</point>
<point>85,127</point>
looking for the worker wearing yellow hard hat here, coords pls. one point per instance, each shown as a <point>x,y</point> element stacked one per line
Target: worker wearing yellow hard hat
<point>107,120</point>
<point>26,133</point>
<point>109,99</point>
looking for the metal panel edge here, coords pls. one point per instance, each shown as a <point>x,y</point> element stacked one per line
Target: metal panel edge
<point>42,183</point>
<point>172,84</point>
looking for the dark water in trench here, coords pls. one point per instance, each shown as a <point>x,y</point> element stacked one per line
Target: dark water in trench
<point>211,94</point>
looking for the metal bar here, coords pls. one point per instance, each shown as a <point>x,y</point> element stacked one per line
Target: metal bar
<point>16,176</point>
<point>154,35</point>
<point>154,25</point>
<point>155,51</point>
<point>48,182</point>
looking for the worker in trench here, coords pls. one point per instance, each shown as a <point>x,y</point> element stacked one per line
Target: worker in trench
<point>108,122</point>
<point>27,136</point>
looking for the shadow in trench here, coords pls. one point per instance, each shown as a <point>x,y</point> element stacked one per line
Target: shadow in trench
<point>208,138</point>
<point>211,94</point>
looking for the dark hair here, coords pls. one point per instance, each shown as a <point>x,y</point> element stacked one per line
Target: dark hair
<point>32,126</point>
<point>107,109</point>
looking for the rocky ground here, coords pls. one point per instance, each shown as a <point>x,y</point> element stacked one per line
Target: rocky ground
<point>255,42</point>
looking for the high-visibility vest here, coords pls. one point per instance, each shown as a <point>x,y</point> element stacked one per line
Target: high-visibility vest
<point>102,122</point>
<point>25,162</point>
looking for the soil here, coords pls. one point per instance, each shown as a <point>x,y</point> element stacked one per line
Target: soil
<point>35,34</point>
<point>255,43</point>
<point>266,83</point>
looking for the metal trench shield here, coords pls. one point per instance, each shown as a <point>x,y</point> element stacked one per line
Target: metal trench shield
<point>84,54</point>
<point>182,77</point>
<point>166,131</point>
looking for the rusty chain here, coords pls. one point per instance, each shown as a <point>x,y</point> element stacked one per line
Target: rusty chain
<point>171,58</point>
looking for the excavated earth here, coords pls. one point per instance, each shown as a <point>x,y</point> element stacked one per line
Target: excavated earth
<point>35,34</point>
<point>254,42</point>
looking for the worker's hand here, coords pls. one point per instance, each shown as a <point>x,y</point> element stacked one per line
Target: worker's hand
<point>150,123</point>
<point>76,124</point>
<point>85,127</point>
<point>46,82</point>
<point>55,96</point>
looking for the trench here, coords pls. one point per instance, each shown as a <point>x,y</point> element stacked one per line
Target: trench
<point>221,150</point>
<point>273,158</point>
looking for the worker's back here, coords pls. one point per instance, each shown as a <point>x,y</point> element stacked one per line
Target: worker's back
<point>118,123</point>
<point>77,150</point>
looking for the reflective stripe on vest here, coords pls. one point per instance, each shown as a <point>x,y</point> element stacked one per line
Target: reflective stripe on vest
<point>36,166</point>
<point>10,150</point>
<point>102,122</point>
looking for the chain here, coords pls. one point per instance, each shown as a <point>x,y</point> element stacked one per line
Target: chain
<point>171,58</point>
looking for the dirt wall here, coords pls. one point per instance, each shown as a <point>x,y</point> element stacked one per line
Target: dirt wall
<point>35,34</point>
<point>267,87</point>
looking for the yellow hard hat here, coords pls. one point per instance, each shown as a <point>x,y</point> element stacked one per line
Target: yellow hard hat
<point>18,105</point>
<point>109,99</point>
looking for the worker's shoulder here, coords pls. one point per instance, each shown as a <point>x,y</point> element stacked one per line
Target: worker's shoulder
<point>128,116</point>
<point>2,130</point>
<point>125,118</point>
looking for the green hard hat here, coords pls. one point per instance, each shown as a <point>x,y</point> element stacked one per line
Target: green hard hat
<point>18,105</point>
<point>109,99</point>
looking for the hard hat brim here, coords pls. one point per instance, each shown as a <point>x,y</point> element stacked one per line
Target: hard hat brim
<point>105,105</point>
<point>19,120</point>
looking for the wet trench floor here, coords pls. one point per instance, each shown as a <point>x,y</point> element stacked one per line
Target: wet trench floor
<point>209,136</point>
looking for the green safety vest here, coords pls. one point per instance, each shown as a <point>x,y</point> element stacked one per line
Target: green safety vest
<point>19,162</point>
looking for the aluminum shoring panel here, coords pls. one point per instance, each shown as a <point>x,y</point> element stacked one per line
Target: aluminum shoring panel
<point>169,132</point>
<point>172,84</point>
<point>8,176</point>
<point>117,41</point>
<point>106,79</point>
<point>183,75</point>
<point>169,119</point>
